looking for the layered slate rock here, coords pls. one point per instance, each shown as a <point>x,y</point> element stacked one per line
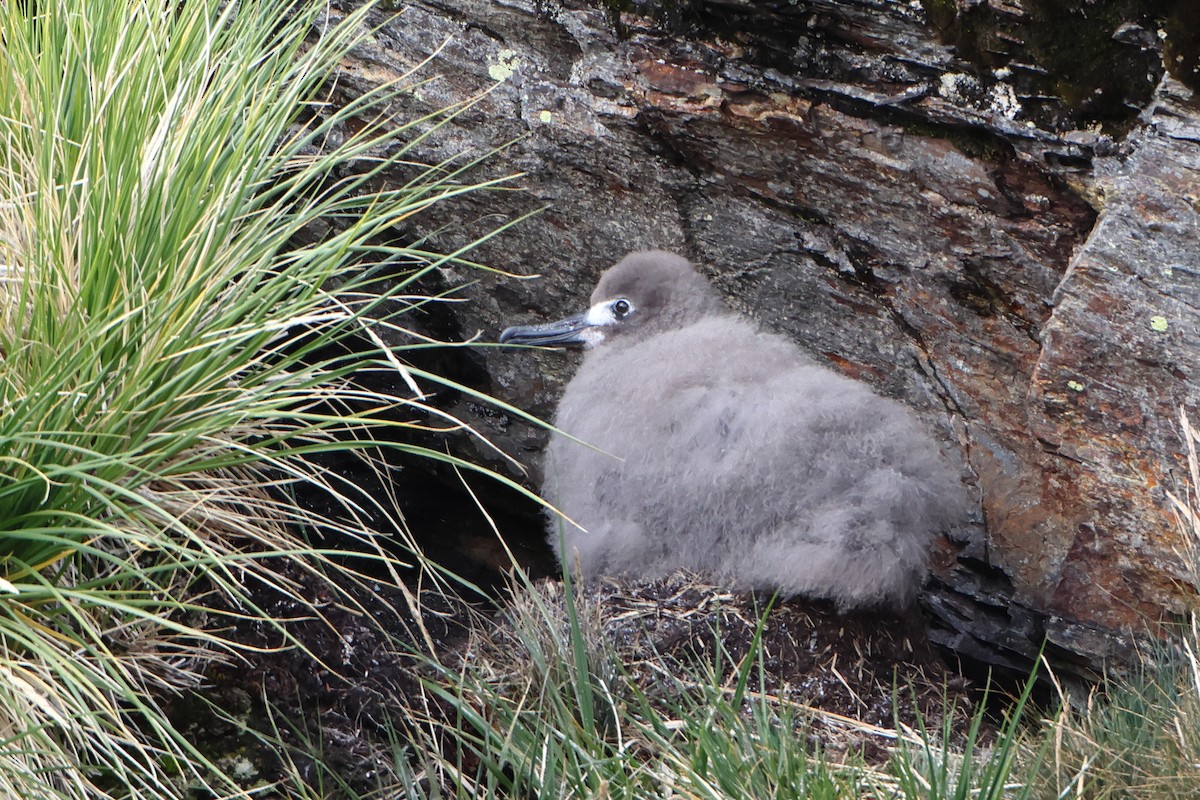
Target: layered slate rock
<point>1020,273</point>
<point>1119,358</point>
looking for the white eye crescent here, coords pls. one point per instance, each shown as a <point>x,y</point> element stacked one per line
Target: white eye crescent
<point>609,312</point>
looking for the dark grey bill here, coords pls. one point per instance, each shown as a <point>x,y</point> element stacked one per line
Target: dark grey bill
<point>563,333</point>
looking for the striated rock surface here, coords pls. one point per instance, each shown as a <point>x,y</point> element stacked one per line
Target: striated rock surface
<point>1019,268</point>
<point>1119,357</point>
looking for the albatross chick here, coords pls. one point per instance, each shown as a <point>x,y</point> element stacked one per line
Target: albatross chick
<point>695,440</point>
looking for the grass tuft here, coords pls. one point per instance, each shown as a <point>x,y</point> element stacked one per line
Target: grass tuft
<point>172,353</point>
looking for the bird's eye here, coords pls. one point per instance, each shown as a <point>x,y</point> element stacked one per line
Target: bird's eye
<point>621,308</point>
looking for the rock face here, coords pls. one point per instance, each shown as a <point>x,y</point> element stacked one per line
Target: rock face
<point>918,221</point>
<point>1118,359</point>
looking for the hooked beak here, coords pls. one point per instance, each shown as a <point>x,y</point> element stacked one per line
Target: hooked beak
<point>573,331</point>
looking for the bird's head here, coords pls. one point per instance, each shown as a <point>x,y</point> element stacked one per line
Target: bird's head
<point>643,294</point>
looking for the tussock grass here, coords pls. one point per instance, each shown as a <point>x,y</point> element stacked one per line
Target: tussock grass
<point>932,764</point>
<point>169,353</point>
<point>539,712</point>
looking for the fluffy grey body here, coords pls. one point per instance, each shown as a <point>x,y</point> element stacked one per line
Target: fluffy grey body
<point>705,443</point>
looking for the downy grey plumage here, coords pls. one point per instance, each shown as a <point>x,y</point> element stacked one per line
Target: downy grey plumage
<point>711,445</point>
